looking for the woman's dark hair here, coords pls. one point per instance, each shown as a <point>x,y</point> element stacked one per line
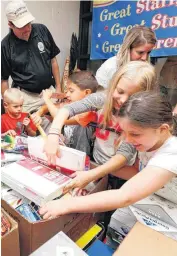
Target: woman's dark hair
<point>84,80</point>
<point>149,109</point>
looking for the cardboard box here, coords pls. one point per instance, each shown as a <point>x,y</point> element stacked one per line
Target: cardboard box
<point>33,235</point>
<point>153,211</point>
<point>145,241</point>
<point>10,241</point>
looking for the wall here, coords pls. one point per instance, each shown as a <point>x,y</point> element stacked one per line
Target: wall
<point>61,18</point>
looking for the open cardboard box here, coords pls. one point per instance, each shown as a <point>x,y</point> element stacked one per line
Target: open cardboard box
<point>144,241</point>
<point>34,234</point>
<point>10,241</point>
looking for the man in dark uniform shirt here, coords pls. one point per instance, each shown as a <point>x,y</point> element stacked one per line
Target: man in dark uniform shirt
<point>28,55</point>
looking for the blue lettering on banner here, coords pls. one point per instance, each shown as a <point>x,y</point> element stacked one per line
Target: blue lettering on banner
<point>113,19</point>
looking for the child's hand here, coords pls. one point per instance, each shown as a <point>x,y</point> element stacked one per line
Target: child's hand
<point>10,132</point>
<point>51,149</point>
<point>60,95</point>
<point>47,94</point>
<point>175,111</point>
<point>37,120</point>
<point>26,121</point>
<point>55,208</point>
<point>81,180</point>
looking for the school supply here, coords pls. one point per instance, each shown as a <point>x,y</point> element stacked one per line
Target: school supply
<point>90,236</point>
<point>17,143</point>
<point>37,182</point>
<point>59,245</point>
<point>71,159</point>
<point>28,212</point>
<point>11,151</point>
<point>99,248</point>
<point>12,197</point>
<point>40,129</point>
<point>4,144</point>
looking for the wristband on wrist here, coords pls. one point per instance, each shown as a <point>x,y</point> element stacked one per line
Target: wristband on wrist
<point>59,139</point>
<point>54,133</point>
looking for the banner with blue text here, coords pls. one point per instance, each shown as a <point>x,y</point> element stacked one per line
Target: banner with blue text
<point>113,19</point>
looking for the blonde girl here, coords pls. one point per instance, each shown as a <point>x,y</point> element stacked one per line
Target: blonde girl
<point>137,45</point>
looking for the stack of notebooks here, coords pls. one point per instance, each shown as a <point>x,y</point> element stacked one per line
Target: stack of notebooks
<point>33,180</point>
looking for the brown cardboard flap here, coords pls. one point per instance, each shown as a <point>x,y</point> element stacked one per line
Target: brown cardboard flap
<point>14,224</point>
<point>144,241</point>
<point>10,241</point>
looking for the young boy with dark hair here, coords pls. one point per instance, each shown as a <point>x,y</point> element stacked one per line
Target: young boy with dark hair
<point>76,132</point>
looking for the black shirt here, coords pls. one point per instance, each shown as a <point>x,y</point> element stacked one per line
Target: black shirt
<point>29,62</point>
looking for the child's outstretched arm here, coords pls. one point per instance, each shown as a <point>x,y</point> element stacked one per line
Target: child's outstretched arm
<point>146,182</point>
<point>51,147</point>
<point>117,165</point>
<point>82,179</point>
<point>50,106</point>
<point>91,103</point>
<point>47,94</point>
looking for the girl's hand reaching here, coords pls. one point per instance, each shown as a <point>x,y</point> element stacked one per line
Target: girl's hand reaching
<point>55,208</point>
<point>47,94</point>
<point>51,148</point>
<point>81,180</point>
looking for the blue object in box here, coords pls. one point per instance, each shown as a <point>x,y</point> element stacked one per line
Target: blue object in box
<point>99,247</point>
<point>29,213</point>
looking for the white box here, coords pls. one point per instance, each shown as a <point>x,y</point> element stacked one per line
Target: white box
<point>153,211</point>
<point>33,180</point>
<point>169,191</point>
<point>71,159</point>
<point>59,245</point>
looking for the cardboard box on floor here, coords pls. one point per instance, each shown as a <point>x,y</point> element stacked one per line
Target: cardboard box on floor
<point>142,240</point>
<point>10,241</point>
<point>34,234</point>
